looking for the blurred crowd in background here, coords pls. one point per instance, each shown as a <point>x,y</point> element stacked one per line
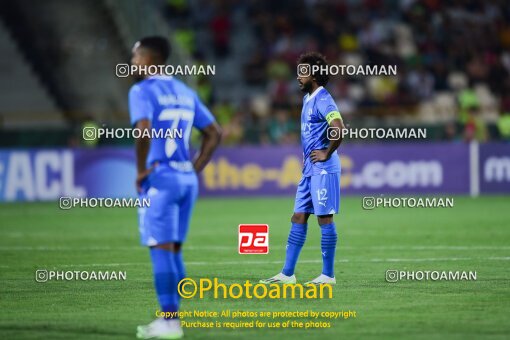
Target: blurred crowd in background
<point>452,57</point>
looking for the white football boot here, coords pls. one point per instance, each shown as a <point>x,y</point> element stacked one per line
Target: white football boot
<point>322,279</point>
<point>160,329</point>
<point>280,278</point>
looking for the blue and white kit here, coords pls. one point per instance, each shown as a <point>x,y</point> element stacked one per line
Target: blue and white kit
<point>173,186</point>
<point>318,191</point>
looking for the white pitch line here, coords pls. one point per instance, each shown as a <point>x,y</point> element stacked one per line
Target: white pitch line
<point>191,263</point>
<point>107,248</point>
<point>58,248</point>
<point>231,263</point>
<point>103,264</point>
<point>440,247</point>
<point>424,260</point>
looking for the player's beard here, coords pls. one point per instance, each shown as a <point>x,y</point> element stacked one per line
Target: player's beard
<point>306,87</point>
<point>138,78</point>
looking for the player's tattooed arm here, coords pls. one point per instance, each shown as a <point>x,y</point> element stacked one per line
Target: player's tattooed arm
<point>324,155</point>
<point>211,138</point>
<point>142,147</point>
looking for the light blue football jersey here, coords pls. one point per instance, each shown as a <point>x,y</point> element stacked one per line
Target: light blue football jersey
<point>314,132</point>
<point>169,104</point>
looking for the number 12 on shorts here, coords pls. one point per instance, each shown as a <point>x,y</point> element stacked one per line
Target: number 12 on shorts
<point>322,195</point>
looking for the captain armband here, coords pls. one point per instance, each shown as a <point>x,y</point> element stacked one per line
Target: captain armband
<point>333,115</point>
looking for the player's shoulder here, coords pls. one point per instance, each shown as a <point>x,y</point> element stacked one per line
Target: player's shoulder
<point>146,85</point>
<point>138,87</point>
<point>324,95</point>
<point>181,87</point>
<point>316,95</point>
<point>324,99</point>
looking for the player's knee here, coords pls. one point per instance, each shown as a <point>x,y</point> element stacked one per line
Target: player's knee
<point>298,218</point>
<point>171,246</point>
<point>325,219</point>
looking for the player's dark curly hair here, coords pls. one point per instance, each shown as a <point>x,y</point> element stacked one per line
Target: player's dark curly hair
<point>315,58</point>
<point>157,45</point>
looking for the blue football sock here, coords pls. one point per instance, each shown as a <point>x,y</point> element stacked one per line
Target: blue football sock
<point>295,242</point>
<point>179,262</point>
<point>181,270</point>
<point>165,279</point>
<point>328,248</point>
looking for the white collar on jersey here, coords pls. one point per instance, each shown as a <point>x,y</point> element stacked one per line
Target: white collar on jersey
<point>310,96</point>
<point>160,76</point>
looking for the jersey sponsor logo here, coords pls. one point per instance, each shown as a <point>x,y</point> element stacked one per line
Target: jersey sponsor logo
<point>309,115</point>
<point>253,239</point>
<point>306,128</point>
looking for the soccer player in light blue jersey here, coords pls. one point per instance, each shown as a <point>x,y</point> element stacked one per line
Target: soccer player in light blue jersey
<point>318,191</point>
<point>166,175</point>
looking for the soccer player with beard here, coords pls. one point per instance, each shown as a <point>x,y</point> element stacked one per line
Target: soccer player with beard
<point>318,191</point>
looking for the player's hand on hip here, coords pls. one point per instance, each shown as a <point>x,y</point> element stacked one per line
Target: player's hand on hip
<point>319,156</point>
<point>140,178</point>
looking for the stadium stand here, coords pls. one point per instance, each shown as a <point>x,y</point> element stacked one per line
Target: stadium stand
<point>18,84</point>
<point>74,47</point>
<point>452,58</point>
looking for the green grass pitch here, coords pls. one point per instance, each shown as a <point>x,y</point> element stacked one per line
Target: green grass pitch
<point>474,235</point>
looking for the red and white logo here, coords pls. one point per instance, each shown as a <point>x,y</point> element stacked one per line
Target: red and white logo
<point>253,239</point>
